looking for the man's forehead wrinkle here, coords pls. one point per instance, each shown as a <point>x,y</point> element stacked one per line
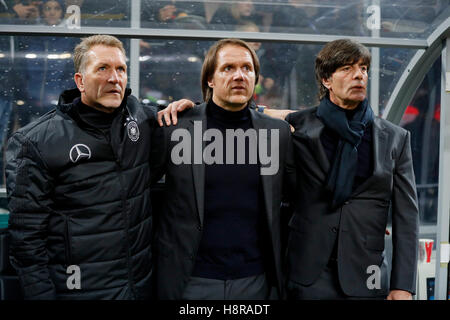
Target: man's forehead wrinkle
<point>227,60</point>
<point>105,59</point>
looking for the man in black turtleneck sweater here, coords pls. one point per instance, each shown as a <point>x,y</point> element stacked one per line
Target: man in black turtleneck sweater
<point>241,254</point>
<point>219,236</point>
<point>352,169</point>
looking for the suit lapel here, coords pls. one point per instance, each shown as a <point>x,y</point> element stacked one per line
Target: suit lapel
<point>258,123</point>
<point>379,146</point>
<point>313,130</point>
<point>198,167</point>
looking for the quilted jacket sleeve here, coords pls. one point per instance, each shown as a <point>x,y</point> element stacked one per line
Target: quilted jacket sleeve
<point>29,187</point>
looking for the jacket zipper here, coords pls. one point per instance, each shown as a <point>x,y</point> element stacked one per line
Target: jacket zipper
<point>124,205</point>
<point>68,250</point>
<point>125,214</point>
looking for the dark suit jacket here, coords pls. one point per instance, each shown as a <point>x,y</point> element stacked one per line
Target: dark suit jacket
<point>179,226</point>
<point>360,223</point>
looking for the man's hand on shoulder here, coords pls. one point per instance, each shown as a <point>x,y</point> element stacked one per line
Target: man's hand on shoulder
<point>399,295</point>
<point>172,109</point>
<point>277,113</point>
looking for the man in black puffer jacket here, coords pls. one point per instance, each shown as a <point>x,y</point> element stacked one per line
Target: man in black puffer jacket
<point>78,183</point>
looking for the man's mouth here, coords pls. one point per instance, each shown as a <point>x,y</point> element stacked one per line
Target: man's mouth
<point>114,91</point>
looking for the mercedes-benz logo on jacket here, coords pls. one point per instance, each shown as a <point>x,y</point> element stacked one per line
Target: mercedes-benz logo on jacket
<point>79,152</point>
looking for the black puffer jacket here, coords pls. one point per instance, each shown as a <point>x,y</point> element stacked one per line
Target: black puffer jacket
<point>78,197</point>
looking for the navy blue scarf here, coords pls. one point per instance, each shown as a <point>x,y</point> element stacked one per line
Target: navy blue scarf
<point>343,169</point>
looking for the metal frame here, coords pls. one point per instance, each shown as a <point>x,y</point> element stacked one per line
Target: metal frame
<point>443,220</point>
<point>134,48</point>
<point>415,72</point>
<point>145,33</point>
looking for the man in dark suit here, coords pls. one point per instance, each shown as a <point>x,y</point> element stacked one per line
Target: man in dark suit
<point>219,236</point>
<point>352,168</point>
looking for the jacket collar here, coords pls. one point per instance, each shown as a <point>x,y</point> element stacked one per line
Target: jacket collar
<point>67,104</point>
<point>67,98</point>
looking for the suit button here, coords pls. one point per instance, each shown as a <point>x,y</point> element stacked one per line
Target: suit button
<point>334,229</point>
<point>347,202</point>
<point>191,257</point>
<point>199,228</point>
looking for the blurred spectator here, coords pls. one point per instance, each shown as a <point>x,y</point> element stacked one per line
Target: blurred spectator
<point>26,12</point>
<point>170,14</point>
<point>228,16</point>
<point>52,12</point>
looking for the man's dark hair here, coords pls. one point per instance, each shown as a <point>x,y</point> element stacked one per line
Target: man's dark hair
<point>336,54</point>
<point>210,64</point>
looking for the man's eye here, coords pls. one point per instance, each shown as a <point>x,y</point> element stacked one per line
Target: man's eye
<point>227,68</point>
<point>102,68</point>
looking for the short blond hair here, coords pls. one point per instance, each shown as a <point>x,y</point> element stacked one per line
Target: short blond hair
<point>79,54</point>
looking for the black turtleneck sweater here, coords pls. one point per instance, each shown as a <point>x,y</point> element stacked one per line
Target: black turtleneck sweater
<point>98,119</point>
<point>230,247</point>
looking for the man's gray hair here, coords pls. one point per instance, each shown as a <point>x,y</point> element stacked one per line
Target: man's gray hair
<point>79,54</point>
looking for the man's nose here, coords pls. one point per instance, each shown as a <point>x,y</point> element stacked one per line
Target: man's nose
<point>113,77</point>
<point>358,74</point>
<point>239,74</point>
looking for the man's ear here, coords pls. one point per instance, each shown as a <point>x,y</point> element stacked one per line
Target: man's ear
<point>326,83</point>
<point>210,84</point>
<point>78,78</point>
